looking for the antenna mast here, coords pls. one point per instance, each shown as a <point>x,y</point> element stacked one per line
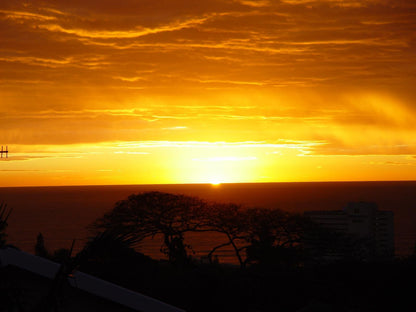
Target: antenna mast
<point>4,151</point>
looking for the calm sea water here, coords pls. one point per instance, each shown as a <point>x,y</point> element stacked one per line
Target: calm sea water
<point>63,213</point>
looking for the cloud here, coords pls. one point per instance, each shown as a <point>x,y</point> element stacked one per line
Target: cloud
<point>360,150</point>
<point>176,128</point>
<point>21,15</point>
<point>19,170</point>
<point>97,71</point>
<point>201,144</point>
<point>16,156</point>
<point>397,163</point>
<point>25,157</point>
<point>281,43</point>
<point>131,153</point>
<point>225,158</point>
<point>120,34</point>
<point>255,3</point>
<point>37,61</point>
<point>129,79</point>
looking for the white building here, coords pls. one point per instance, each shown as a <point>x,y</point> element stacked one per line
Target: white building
<point>364,222</point>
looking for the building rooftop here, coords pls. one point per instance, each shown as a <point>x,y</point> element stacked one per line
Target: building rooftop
<point>84,282</point>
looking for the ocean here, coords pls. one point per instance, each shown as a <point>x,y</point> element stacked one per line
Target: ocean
<point>62,214</point>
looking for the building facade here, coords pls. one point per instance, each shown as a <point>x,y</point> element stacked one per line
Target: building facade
<point>367,227</point>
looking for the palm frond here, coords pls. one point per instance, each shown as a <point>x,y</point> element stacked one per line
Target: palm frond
<point>4,216</point>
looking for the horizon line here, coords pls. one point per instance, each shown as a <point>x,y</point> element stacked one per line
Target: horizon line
<point>211,184</point>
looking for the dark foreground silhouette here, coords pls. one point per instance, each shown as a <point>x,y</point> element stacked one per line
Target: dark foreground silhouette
<point>276,272</point>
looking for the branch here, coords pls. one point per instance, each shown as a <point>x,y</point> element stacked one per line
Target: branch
<point>216,248</point>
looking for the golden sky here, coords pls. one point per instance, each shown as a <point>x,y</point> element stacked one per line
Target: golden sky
<point>184,91</point>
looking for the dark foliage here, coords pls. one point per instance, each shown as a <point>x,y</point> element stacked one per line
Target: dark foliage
<point>265,237</point>
<point>12,295</point>
<point>150,214</point>
<point>40,249</point>
<point>340,286</point>
<point>111,256</point>
<point>284,256</point>
<point>229,220</point>
<point>4,216</point>
<point>275,238</point>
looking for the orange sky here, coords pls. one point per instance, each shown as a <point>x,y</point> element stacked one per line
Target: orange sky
<point>181,91</point>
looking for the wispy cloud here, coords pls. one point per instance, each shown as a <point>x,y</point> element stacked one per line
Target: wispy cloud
<point>225,158</point>
<point>199,144</point>
<point>19,170</point>
<point>255,3</point>
<point>129,79</point>
<point>131,153</point>
<point>123,34</point>
<point>176,128</point>
<point>37,61</point>
<point>18,15</point>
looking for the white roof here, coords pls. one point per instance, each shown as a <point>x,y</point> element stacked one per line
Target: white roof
<point>85,282</point>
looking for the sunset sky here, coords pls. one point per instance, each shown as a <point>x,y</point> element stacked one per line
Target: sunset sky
<point>207,91</point>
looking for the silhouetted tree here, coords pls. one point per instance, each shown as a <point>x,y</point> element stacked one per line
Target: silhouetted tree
<point>97,254</point>
<point>275,237</point>
<point>112,256</point>
<point>12,295</point>
<point>150,214</point>
<point>105,247</point>
<point>256,235</point>
<point>55,297</point>
<point>229,220</point>
<point>4,216</point>
<point>40,249</point>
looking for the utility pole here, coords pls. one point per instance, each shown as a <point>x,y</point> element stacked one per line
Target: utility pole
<point>4,151</point>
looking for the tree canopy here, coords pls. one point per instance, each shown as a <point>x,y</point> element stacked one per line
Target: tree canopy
<point>250,232</point>
<point>149,214</point>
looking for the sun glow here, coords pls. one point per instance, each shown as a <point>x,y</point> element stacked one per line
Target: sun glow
<point>215,183</point>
